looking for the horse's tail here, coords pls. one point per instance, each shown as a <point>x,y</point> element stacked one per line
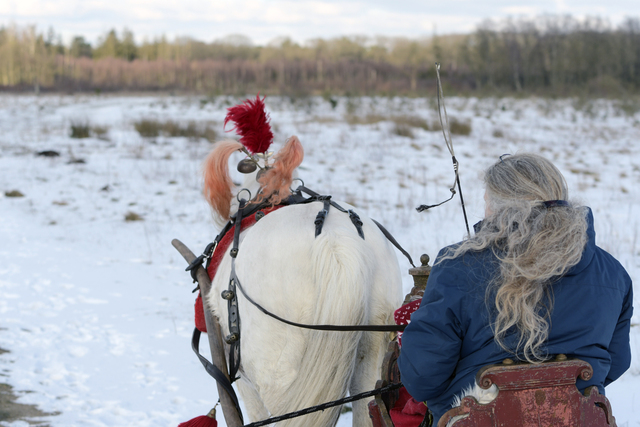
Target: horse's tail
<point>217,181</point>
<point>341,271</point>
<point>276,181</point>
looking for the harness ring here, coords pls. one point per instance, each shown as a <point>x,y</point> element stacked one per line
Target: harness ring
<point>240,192</point>
<point>298,179</point>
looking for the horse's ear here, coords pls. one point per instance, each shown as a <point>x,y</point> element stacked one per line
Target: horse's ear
<point>277,180</point>
<point>217,181</point>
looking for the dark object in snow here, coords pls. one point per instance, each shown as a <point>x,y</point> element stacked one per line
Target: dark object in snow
<point>132,216</point>
<point>77,162</point>
<point>106,188</point>
<point>48,153</point>
<point>13,193</point>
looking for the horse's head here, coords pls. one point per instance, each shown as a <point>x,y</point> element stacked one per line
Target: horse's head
<point>269,181</point>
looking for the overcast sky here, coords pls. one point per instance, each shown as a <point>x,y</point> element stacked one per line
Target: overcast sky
<point>265,20</point>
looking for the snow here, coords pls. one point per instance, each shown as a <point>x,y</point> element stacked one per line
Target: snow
<point>97,312</point>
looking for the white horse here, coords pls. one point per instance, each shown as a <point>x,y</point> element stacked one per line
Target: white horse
<point>335,278</point>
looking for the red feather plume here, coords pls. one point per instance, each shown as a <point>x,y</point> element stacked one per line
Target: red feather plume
<point>252,124</point>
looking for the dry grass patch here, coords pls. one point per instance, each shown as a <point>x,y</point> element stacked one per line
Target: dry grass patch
<point>132,216</point>
<point>411,121</point>
<point>100,132</point>
<point>403,130</point>
<point>147,128</point>
<point>13,193</point>
<point>459,127</point>
<point>400,121</point>
<point>80,130</point>
<point>321,120</point>
<point>369,119</point>
<point>150,128</point>
<point>586,172</point>
<point>456,126</point>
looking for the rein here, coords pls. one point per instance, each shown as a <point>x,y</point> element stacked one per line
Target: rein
<point>323,406</point>
<point>342,328</point>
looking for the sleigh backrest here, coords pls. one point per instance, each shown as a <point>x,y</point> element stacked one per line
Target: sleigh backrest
<point>534,395</point>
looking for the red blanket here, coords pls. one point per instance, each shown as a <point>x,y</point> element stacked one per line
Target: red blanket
<point>407,412</point>
<point>216,258</point>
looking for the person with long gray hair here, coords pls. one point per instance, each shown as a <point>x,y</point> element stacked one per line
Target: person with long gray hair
<point>530,284</point>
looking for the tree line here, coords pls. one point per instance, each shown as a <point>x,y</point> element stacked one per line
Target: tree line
<point>549,55</point>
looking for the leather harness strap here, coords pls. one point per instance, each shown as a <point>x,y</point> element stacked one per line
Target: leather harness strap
<point>322,215</point>
<point>394,242</point>
<point>214,371</point>
<point>233,339</point>
<point>343,328</point>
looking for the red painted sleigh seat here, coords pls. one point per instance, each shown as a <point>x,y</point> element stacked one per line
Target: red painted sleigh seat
<point>529,395</point>
<point>535,395</point>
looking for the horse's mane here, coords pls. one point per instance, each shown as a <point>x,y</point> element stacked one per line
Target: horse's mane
<point>275,182</point>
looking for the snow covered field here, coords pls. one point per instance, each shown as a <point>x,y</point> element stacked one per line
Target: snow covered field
<point>96,312</point>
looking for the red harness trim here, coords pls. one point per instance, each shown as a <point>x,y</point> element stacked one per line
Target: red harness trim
<point>220,251</point>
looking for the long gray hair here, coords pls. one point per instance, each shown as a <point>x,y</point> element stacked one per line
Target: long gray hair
<point>534,244</point>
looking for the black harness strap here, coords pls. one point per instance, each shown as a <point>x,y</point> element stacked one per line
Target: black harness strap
<point>393,241</point>
<point>233,339</point>
<point>322,407</point>
<point>322,215</point>
<point>343,328</point>
<point>355,219</point>
<point>213,370</point>
<point>207,253</point>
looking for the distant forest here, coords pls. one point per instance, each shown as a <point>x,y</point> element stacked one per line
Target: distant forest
<point>548,56</point>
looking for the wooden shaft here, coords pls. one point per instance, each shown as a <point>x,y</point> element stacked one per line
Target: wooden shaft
<point>216,344</point>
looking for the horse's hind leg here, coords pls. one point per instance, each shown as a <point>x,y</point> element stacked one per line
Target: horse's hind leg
<point>252,402</point>
<point>367,372</point>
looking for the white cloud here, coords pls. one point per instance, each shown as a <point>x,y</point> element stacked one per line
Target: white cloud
<point>520,10</point>
<point>263,20</point>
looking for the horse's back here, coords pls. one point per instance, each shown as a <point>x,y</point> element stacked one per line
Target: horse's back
<point>283,245</point>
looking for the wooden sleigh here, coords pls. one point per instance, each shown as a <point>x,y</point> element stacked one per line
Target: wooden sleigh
<point>529,395</point>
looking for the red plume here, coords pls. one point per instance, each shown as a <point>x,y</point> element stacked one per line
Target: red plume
<point>252,124</point>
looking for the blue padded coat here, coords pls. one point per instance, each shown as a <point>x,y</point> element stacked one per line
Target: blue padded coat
<point>450,337</point>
